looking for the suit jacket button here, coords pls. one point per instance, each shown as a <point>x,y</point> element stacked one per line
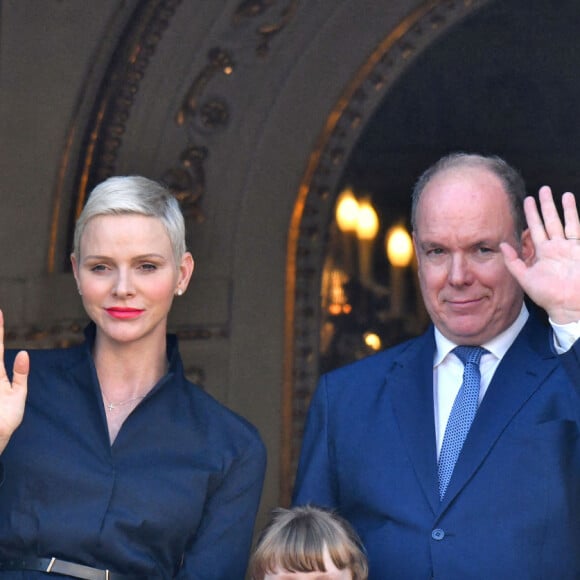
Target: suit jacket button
<point>438,534</point>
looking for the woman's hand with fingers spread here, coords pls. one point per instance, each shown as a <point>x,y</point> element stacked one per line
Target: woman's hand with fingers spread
<point>12,393</point>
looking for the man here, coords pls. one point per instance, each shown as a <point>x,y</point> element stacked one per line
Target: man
<point>507,505</point>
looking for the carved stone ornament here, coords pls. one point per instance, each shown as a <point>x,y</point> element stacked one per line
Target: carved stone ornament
<point>199,113</point>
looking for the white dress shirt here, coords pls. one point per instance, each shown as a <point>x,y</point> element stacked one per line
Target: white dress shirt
<point>448,368</point>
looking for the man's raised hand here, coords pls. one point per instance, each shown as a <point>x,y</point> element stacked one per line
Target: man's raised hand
<point>552,277</point>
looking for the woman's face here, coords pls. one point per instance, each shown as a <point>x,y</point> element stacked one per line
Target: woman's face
<point>332,573</point>
<point>127,276</point>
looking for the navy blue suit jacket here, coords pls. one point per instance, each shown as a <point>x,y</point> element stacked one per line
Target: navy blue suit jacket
<point>512,508</point>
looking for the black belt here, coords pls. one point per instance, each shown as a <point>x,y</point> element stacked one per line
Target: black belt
<point>56,566</point>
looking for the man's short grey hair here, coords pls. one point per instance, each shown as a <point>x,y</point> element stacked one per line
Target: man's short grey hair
<point>133,194</point>
<point>512,182</point>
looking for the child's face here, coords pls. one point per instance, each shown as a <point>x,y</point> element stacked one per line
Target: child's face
<point>332,573</point>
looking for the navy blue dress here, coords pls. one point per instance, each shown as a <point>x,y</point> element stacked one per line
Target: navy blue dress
<point>175,495</point>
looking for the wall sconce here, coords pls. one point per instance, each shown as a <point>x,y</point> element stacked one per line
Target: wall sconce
<point>365,289</point>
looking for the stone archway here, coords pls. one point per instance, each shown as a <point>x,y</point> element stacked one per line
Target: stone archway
<point>100,142</point>
<point>277,133</point>
<point>315,202</point>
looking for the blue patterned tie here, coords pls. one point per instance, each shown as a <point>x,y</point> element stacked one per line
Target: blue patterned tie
<point>462,413</point>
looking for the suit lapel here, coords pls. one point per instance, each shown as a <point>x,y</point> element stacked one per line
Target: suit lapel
<point>410,386</point>
<point>520,373</point>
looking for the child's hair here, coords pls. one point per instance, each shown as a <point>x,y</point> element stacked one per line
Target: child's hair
<point>295,540</point>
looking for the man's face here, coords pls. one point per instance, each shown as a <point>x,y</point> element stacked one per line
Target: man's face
<point>462,216</point>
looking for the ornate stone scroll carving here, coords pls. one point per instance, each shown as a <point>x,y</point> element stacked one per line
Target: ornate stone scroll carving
<point>207,116</point>
<point>212,113</point>
<point>197,114</point>
<point>120,85</point>
<point>265,31</point>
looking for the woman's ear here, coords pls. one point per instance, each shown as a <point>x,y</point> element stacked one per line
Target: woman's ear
<point>75,268</point>
<point>185,272</point>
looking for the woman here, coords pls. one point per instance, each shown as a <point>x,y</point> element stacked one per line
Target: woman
<point>121,467</point>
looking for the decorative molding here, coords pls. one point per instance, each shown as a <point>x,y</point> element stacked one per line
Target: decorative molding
<point>202,117</point>
<point>188,179</point>
<point>267,31</point>
<point>315,201</point>
<point>120,85</point>
<point>198,333</point>
<point>104,136</point>
<point>219,61</point>
<point>70,332</point>
<point>196,375</point>
<point>62,335</point>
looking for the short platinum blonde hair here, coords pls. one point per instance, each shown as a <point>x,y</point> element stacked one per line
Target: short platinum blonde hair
<point>133,194</point>
<point>295,540</point>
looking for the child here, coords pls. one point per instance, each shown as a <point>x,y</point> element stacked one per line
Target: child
<point>307,543</point>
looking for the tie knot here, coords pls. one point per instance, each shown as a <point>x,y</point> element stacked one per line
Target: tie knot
<point>469,354</point>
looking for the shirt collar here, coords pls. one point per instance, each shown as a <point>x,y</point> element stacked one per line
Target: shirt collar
<point>497,346</point>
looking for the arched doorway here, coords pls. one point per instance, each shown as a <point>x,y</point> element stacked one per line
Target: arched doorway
<point>495,77</point>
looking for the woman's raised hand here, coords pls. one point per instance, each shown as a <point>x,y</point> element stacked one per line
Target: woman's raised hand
<point>12,394</point>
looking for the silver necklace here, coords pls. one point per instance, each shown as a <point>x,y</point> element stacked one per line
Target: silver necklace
<point>112,406</point>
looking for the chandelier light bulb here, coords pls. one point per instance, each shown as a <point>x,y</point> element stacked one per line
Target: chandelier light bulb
<point>347,209</point>
<point>399,247</point>
<point>367,225</point>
